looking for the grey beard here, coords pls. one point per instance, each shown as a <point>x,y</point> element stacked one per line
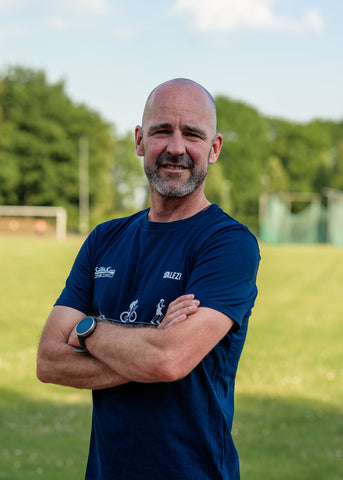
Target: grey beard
<point>161,186</point>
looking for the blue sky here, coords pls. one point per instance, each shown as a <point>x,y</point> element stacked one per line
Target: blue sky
<point>283,57</point>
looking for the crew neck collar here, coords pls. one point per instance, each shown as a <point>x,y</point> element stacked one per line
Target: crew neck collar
<point>167,225</point>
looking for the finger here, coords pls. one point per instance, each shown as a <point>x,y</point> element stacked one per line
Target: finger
<point>179,319</point>
<point>180,314</point>
<point>182,303</point>
<point>183,308</point>
<point>181,299</point>
<point>167,323</point>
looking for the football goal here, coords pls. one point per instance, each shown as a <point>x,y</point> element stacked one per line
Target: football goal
<point>37,214</point>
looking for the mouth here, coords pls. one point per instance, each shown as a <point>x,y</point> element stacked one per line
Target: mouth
<point>173,166</point>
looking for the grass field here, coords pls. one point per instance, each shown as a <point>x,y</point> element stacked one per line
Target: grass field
<point>289,397</point>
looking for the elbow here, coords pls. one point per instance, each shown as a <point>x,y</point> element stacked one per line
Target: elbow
<point>169,369</point>
<point>41,372</point>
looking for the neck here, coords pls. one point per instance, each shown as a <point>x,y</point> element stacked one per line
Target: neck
<point>167,209</point>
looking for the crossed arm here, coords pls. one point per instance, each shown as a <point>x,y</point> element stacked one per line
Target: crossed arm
<point>119,355</point>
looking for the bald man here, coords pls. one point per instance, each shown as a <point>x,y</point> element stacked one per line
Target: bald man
<point>185,270</point>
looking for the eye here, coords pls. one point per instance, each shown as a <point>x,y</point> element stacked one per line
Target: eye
<point>193,135</point>
<point>162,131</point>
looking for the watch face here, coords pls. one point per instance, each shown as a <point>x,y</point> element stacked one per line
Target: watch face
<point>85,326</point>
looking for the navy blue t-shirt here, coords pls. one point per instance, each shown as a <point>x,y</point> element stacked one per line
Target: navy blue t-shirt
<point>129,270</point>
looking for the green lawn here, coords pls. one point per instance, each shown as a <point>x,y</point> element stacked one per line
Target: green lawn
<point>289,401</point>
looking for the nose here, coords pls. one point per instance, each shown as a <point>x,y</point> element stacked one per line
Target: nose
<point>176,144</point>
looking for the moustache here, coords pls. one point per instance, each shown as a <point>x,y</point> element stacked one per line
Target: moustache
<point>184,160</point>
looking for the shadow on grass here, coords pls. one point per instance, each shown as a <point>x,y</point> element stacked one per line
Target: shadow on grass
<point>288,439</point>
<point>42,439</point>
<point>276,438</point>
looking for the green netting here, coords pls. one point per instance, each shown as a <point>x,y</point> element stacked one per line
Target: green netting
<point>335,219</point>
<point>314,224</point>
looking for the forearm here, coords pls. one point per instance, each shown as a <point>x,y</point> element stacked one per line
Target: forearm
<point>162,354</point>
<point>142,354</point>
<point>61,365</point>
<point>130,351</point>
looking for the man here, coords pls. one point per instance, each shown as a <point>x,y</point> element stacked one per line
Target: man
<point>162,395</point>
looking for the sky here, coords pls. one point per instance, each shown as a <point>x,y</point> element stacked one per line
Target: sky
<point>282,57</point>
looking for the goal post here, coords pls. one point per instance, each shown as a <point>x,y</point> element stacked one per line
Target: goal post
<point>59,213</point>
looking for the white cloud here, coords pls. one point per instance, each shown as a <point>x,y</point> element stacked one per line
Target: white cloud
<point>9,5</point>
<point>58,23</point>
<point>98,8</point>
<point>229,15</point>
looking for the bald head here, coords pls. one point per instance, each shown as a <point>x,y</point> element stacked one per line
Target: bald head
<point>177,88</point>
<point>178,138</point>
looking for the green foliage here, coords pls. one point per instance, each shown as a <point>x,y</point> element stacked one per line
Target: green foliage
<point>217,187</point>
<point>40,128</point>
<point>337,170</point>
<point>128,175</point>
<point>244,151</point>
<point>40,131</point>
<point>304,152</point>
<point>288,418</point>
<point>273,155</point>
<point>276,177</point>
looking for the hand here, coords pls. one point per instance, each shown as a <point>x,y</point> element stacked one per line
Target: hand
<point>179,310</point>
<point>73,339</point>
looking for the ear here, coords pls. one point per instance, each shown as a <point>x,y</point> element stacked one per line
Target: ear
<point>139,141</point>
<point>216,147</point>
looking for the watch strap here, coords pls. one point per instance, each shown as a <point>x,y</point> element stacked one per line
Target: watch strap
<point>82,343</point>
<point>103,320</point>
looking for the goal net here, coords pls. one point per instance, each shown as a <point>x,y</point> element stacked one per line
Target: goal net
<point>314,223</point>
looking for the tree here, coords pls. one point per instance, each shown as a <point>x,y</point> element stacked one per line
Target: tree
<point>40,128</point>
<point>243,156</point>
<point>40,131</point>
<point>303,151</point>
<point>337,157</point>
<point>128,177</point>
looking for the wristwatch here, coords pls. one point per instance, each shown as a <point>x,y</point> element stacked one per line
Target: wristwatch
<point>84,328</point>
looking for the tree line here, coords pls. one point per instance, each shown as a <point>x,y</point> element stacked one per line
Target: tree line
<point>40,129</point>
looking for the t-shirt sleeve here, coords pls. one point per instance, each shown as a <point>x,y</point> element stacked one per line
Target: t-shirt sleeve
<point>224,273</point>
<point>78,289</point>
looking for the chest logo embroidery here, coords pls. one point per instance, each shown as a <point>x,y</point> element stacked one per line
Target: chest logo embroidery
<point>172,275</point>
<point>104,272</point>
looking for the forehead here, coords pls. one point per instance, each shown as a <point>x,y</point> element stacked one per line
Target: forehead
<point>180,104</point>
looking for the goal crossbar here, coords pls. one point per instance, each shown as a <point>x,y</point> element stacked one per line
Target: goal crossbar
<point>59,213</point>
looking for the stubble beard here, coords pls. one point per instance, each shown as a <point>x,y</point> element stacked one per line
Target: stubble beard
<point>175,190</point>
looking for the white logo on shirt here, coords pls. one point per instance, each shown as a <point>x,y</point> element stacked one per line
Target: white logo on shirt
<point>158,317</point>
<point>130,315</point>
<point>104,272</point>
<point>172,275</point>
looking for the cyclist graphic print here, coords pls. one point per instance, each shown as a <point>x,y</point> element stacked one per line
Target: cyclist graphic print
<point>130,315</point>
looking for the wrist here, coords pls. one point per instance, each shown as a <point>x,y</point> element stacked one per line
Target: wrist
<point>84,330</point>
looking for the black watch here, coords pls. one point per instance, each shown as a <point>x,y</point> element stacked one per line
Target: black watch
<point>84,328</point>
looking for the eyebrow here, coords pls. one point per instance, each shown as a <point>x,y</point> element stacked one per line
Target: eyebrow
<point>185,128</point>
